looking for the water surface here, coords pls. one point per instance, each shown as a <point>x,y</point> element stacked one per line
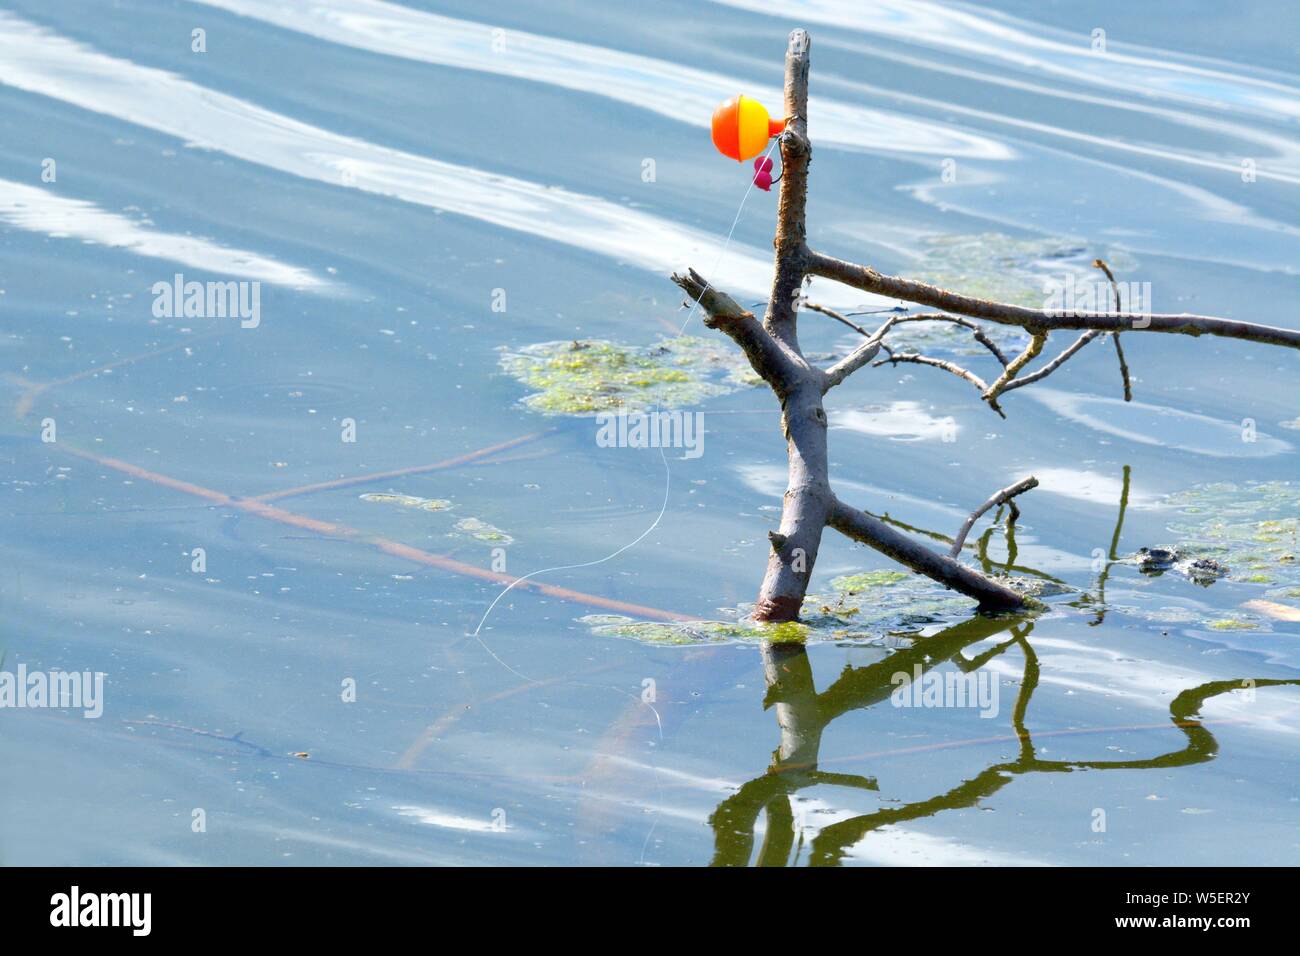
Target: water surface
<point>393,175</point>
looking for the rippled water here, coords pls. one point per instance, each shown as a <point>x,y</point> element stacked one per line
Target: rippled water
<point>417,189</point>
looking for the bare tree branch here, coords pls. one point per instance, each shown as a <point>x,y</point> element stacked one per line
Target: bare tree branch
<point>861,526</point>
<point>910,290</point>
<point>1013,368</point>
<point>918,359</point>
<point>859,357</point>
<point>790,238</point>
<point>1054,364</point>
<point>768,357</point>
<point>1005,495</point>
<point>1119,349</point>
<point>809,505</point>
<point>980,335</point>
<point>831,313</point>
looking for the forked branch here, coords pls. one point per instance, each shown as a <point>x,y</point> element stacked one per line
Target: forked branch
<point>772,348</point>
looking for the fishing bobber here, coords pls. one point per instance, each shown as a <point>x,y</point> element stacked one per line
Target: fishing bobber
<point>741,128</point>
<point>763,173</point>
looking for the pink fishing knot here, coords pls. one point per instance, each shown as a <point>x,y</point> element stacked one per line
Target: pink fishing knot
<point>763,173</point>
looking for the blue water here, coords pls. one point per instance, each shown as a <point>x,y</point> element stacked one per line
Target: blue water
<point>390,172</point>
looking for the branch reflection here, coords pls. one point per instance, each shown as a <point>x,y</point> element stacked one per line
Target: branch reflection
<point>803,714</point>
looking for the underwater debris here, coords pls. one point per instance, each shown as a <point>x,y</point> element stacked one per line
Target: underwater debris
<point>1156,561</point>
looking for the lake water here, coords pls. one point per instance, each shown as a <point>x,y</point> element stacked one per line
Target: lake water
<point>234,521</point>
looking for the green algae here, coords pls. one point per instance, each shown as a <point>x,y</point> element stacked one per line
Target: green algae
<point>679,633</point>
<point>853,583</point>
<point>409,501</point>
<point>868,607</point>
<point>482,531</point>
<point>585,377</point>
<point>1252,527</point>
<point>465,527</point>
<point>995,266</point>
<point>1232,624</point>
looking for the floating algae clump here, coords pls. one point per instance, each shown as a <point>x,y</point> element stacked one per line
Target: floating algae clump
<point>863,608</point>
<point>410,501</point>
<point>482,531</point>
<point>1232,624</point>
<point>584,377</point>
<point>1251,527</point>
<point>853,583</point>
<point>691,632</point>
<point>866,605</point>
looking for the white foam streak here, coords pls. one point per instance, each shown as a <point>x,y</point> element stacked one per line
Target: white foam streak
<point>681,93</point>
<point>1036,49</point>
<point>39,210</point>
<point>41,62</point>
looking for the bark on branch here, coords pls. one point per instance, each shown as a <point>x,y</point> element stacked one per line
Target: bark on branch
<point>859,357</point>
<point>777,366</point>
<point>871,531</point>
<point>869,280</point>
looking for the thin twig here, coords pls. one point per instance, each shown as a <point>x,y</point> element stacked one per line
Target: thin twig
<point>980,335</point>
<point>1042,373</point>
<point>831,313</point>
<point>1123,368</point>
<point>1119,349</point>
<point>859,357</point>
<point>1005,495</point>
<point>918,359</point>
<point>1031,351</point>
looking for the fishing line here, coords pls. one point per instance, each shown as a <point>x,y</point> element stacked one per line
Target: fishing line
<point>663,508</point>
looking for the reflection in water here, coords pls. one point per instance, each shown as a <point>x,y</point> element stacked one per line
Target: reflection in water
<point>803,714</point>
